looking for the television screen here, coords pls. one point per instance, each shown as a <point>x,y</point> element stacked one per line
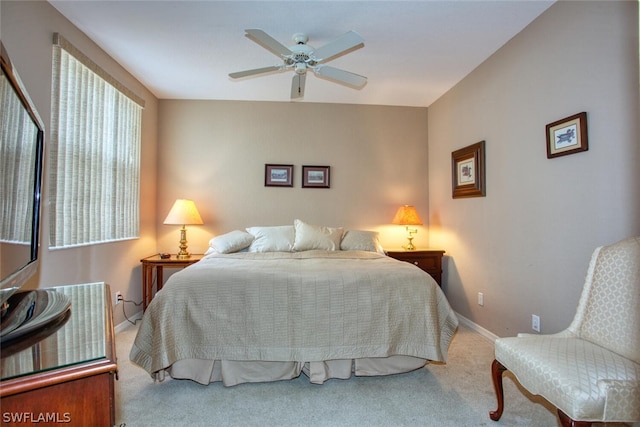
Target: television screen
<point>21,148</point>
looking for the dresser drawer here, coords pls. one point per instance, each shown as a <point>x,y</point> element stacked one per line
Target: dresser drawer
<point>430,263</point>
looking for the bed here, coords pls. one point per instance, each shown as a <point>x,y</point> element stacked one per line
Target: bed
<point>330,306</point>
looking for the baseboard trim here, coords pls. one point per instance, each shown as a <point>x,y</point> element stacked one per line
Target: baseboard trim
<point>127,323</point>
<point>476,328</point>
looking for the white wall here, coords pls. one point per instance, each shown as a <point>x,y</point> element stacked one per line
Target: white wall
<point>526,245</point>
<point>26,29</point>
<point>214,152</point>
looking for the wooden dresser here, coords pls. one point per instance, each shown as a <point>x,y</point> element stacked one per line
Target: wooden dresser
<point>429,260</point>
<point>68,376</point>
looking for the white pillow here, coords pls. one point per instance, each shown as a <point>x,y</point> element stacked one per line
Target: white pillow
<point>272,239</point>
<point>310,237</point>
<point>232,241</point>
<point>361,240</point>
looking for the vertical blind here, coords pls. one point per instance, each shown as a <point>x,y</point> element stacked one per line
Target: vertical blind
<point>95,153</point>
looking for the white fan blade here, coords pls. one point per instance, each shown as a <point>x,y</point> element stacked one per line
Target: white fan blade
<point>253,72</point>
<point>343,44</point>
<point>268,42</point>
<point>350,79</point>
<point>297,86</point>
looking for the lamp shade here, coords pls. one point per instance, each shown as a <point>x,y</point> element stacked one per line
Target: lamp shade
<point>183,212</point>
<point>407,215</point>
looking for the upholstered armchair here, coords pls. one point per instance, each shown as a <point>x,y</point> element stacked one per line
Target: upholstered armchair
<point>591,371</point>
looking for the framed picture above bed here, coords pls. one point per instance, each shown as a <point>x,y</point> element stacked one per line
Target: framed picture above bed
<point>315,176</point>
<point>278,175</point>
<point>468,171</point>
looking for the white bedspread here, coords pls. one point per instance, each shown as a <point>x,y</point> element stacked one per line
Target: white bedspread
<point>302,306</point>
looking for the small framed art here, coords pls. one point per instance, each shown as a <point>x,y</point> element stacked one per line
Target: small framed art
<point>278,175</point>
<point>468,171</point>
<point>315,176</point>
<point>567,136</point>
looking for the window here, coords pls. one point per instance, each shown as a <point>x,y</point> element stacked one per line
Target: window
<point>95,153</point>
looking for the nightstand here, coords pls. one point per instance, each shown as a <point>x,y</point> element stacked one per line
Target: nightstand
<point>157,263</point>
<point>428,260</point>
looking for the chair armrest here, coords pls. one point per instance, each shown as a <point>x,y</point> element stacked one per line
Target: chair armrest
<point>622,399</point>
<point>562,334</point>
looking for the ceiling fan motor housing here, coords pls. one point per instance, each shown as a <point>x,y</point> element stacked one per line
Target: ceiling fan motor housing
<point>301,58</point>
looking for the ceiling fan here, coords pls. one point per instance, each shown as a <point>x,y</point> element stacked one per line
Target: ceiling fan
<point>301,57</point>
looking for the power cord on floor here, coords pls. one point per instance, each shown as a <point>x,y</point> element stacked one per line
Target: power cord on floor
<point>137,304</point>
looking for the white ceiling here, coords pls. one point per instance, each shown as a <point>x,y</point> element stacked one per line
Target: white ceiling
<point>414,51</point>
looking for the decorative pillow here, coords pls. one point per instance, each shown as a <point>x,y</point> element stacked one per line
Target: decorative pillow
<point>272,239</point>
<point>232,241</point>
<point>310,237</point>
<point>361,240</point>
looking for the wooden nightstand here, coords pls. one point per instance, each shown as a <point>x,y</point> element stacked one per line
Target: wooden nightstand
<point>157,263</point>
<point>428,260</point>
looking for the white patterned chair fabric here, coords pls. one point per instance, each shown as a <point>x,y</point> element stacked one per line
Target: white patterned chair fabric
<point>591,370</point>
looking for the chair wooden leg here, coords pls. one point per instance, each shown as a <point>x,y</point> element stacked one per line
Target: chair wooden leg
<point>496,374</point>
<point>497,369</point>
<point>568,422</point>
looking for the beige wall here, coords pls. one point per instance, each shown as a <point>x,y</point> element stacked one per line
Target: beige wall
<point>27,32</point>
<point>526,245</point>
<point>214,152</point>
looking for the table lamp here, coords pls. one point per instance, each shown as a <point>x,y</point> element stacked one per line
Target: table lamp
<point>407,215</point>
<point>183,212</point>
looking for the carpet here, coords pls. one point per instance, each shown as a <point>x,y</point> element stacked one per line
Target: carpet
<point>458,393</point>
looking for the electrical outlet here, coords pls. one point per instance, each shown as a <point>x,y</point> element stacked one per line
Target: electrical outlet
<point>535,322</point>
<point>118,298</point>
<point>480,299</point>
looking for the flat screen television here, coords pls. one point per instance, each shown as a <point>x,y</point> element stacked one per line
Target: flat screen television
<point>21,151</point>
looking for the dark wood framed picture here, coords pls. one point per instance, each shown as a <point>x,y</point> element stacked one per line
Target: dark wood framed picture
<point>278,175</point>
<point>468,171</point>
<point>567,136</point>
<point>315,176</point>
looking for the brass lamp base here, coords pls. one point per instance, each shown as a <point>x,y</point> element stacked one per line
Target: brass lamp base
<point>409,246</point>
<point>183,254</point>
<point>410,233</point>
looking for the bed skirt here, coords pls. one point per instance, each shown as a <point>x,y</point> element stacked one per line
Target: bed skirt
<point>231,372</point>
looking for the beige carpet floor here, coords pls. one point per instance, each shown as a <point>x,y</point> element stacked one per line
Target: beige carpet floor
<point>458,393</point>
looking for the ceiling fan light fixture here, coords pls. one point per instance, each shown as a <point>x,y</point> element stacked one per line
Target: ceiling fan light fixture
<point>301,68</point>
